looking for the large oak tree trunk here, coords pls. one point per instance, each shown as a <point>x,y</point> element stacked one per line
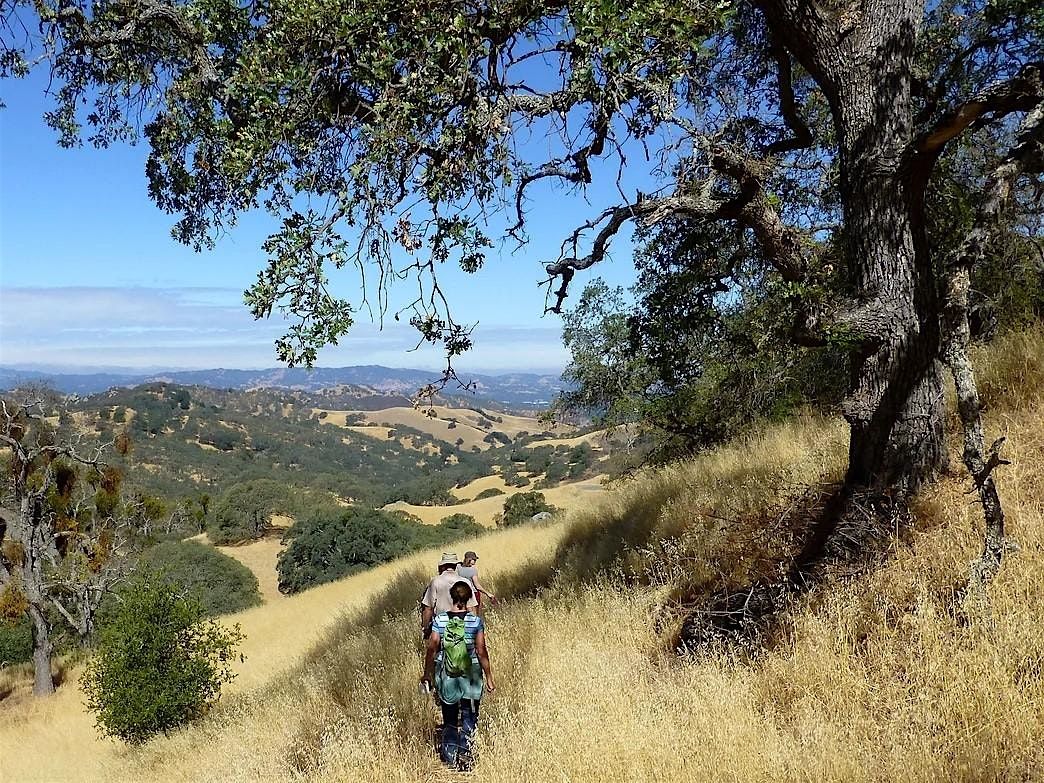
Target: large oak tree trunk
<point>895,406</point>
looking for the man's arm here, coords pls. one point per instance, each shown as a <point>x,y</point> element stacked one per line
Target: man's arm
<point>484,662</point>
<point>480,588</point>
<point>427,606</point>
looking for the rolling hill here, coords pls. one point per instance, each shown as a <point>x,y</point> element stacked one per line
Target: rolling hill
<point>882,672</point>
<point>530,390</point>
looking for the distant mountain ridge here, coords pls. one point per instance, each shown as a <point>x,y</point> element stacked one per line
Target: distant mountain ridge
<point>527,389</point>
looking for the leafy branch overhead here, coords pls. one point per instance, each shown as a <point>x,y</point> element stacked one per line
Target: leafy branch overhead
<point>397,137</point>
<point>387,135</point>
<point>347,120</point>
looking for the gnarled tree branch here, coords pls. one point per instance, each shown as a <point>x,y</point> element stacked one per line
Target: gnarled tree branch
<point>1021,93</point>
<point>1025,156</point>
<point>801,134</point>
<point>784,246</point>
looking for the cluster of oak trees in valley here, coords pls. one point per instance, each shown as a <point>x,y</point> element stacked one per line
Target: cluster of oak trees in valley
<point>811,146</point>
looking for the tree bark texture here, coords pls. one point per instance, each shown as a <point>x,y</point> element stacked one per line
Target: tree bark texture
<point>862,58</point>
<point>43,680</point>
<point>896,405</point>
<point>33,539</point>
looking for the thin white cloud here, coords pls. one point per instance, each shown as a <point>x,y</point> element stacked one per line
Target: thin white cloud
<point>200,328</point>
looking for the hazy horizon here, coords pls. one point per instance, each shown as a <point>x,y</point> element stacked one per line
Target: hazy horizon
<point>152,370</point>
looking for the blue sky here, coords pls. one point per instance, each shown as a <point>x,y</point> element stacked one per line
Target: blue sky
<point>90,278</point>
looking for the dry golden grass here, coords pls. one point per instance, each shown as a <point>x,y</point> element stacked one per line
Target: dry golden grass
<point>882,676</point>
<point>479,485</point>
<point>598,440</point>
<point>569,497</point>
<point>438,426</point>
<point>595,439</point>
<point>260,557</point>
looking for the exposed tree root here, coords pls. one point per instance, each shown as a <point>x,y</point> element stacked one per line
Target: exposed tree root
<point>852,529</point>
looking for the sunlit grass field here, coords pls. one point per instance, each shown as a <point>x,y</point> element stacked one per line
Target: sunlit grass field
<point>438,425</point>
<point>568,497</point>
<point>879,675</point>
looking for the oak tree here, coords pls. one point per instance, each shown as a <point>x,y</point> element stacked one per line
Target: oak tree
<point>63,534</point>
<point>393,136</point>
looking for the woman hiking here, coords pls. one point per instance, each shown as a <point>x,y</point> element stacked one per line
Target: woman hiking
<point>456,664</point>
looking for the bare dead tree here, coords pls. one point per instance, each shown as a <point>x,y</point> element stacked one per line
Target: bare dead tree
<point>67,552</point>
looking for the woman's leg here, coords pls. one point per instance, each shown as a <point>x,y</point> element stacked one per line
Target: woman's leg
<point>469,709</point>
<point>450,744</point>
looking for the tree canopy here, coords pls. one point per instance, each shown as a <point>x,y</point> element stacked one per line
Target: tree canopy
<point>800,139</point>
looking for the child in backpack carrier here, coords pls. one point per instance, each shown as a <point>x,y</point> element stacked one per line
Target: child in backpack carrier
<point>457,665</point>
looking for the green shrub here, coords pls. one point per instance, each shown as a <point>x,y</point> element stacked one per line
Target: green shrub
<point>333,544</point>
<point>16,641</point>
<point>497,437</point>
<point>451,528</point>
<point>556,471</point>
<point>325,547</point>
<point>458,522</point>
<point>424,490</point>
<point>220,583</point>
<point>492,492</point>
<point>245,510</point>
<point>220,438</point>
<point>521,508</point>
<point>158,665</point>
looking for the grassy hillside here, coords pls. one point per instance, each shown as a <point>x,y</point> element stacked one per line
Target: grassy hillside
<point>470,428</point>
<point>193,441</point>
<point>881,674</point>
<point>568,497</point>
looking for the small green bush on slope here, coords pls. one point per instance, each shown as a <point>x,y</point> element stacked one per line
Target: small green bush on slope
<point>521,507</point>
<point>16,641</point>
<point>326,546</point>
<point>158,663</point>
<point>245,511</point>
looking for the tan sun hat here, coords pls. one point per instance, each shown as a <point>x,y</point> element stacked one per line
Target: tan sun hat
<point>448,558</point>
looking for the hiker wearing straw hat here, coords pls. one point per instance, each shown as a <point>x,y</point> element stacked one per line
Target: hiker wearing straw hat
<point>437,597</point>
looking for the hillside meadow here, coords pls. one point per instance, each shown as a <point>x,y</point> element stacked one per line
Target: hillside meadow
<point>575,495</point>
<point>881,673</point>
<point>467,426</point>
